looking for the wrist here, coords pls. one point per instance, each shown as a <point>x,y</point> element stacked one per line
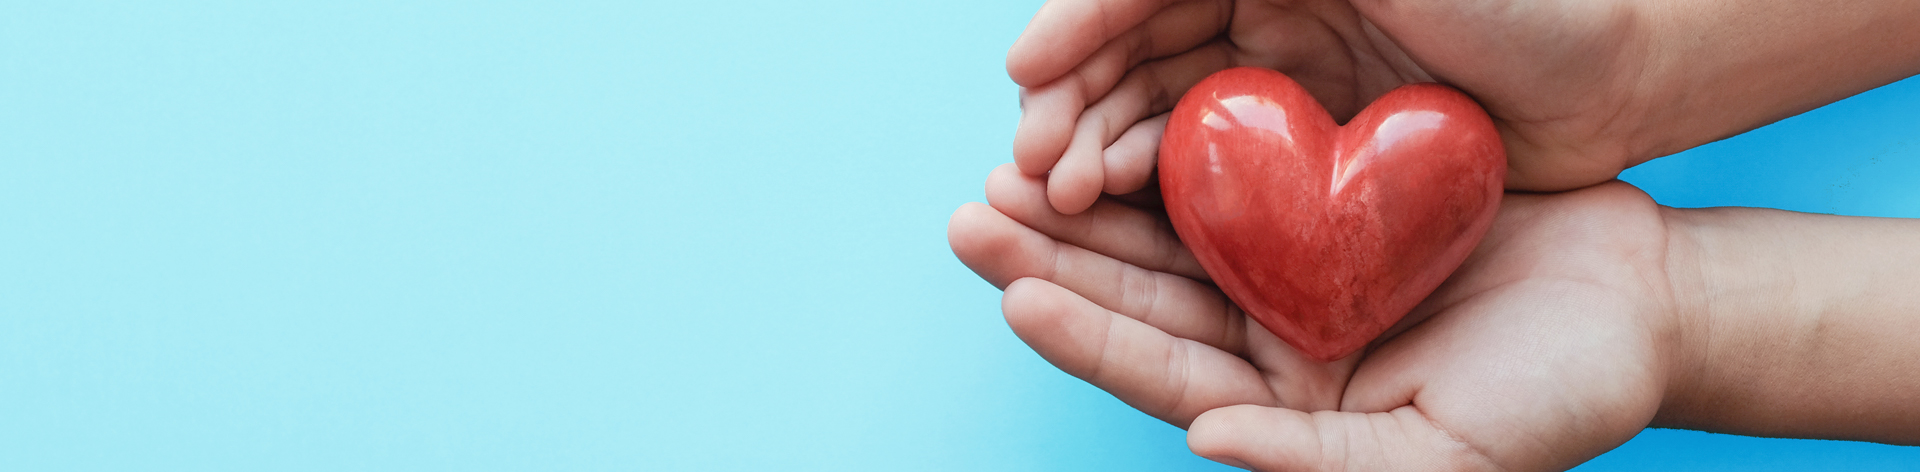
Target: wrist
<point>1718,68</point>
<point>1682,84</point>
<point>1737,304</point>
<point>1691,325</point>
<point>1792,325</point>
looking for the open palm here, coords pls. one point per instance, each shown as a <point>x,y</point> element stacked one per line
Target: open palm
<point>1543,350</point>
<point>1561,79</point>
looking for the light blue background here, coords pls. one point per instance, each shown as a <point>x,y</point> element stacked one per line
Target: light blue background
<point>356,235</point>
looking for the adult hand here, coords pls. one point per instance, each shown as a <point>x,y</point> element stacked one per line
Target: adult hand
<point>1579,90</point>
<point>1559,78</point>
<point>1549,346</point>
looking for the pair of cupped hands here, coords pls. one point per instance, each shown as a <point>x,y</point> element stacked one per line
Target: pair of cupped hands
<point>1550,345</point>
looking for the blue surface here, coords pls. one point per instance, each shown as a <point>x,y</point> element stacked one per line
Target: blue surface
<point>602,235</point>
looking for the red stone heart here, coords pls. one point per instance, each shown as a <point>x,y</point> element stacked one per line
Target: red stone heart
<point>1328,234</point>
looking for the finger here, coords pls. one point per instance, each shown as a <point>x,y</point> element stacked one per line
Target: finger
<point>1150,89</point>
<point>1170,378</point>
<point>1002,251</point>
<point>976,238</point>
<point>1298,382</point>
<point>1263,438</point>
<point>1145,240</point>
<point>1051,107</point>
<point>1125,233</point>
<point>1047,117</point>
<point>1257,438</point>
<point>1130,161</point>
<point>1065,33</point>
<point>1147,198</point>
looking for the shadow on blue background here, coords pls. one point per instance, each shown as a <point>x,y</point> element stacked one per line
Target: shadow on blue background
<point>600,235</point>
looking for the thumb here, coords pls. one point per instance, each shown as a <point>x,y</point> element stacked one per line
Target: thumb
<point>1278,439</point>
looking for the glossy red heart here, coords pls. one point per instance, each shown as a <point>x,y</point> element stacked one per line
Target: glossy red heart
<point>1327,234</point>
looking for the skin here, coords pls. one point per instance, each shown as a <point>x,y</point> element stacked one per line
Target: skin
<point>1582,318</point>
<point>1800,325</point>
<point>1579,90</point>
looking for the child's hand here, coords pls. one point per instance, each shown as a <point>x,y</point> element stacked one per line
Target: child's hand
<point>1581,318</point>
<point>1580,90</point>
<point>1550,345</point>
